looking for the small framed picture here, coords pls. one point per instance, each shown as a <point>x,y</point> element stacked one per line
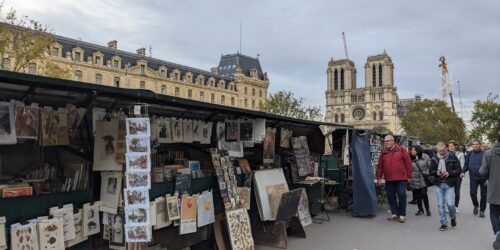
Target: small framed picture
<point>138,144</point>
<point>138,127</point>
<point>139,179</point>
<point>138,162</point>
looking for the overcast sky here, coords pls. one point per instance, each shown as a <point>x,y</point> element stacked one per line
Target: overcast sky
<point>295,39</point>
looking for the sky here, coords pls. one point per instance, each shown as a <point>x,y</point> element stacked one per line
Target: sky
<point>295,39</point>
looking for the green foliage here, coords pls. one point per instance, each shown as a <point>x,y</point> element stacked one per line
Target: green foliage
<point>432,121</point>
<point>56,71</point>
<point>486,118</point>
<point>284,103</point>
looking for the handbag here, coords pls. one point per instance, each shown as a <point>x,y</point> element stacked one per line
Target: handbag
<point>428,179</point>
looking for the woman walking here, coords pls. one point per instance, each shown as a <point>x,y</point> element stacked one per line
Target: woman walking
<point>420,163</point>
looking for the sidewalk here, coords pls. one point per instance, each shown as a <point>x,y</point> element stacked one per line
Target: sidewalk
<point>345,232</point>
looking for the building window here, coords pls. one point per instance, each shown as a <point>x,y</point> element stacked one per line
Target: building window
<point>222,100</point>
<point>341,79</point>
<point>380,75</point>
<point>246,103</point>
<point>190,94</point>
<point>97,60</point>
<point>176,76</point>
<point>143,69</point>
<point>163,89</point>
<point>177,91</point>
<point>55,51</point>
<point>374,115</point>
<point>260,92</point>
<point>6,64</point>
<point>116,64</point>
<point>78,75</point>
<point>142,85</point>
<point>232,101</point>
<point>212,98</point>
<point>78,56</point>
<point>116,81</point>
<point>202,96</point>
<point>245,90</point>
<point>342,118</point>
<point>374,77</point>
<point>98,78</point>
<point>253,104</point>
<point>336,118</point>
<point>253,92</point>
<point>381,96</point>
<point>335,80</point>
<point>163,73</point>
<point>32,68</point>
<point>381,115</point>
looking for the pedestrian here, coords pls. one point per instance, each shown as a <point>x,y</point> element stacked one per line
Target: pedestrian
<point>490,170</point>
<point>446,168</point>
<point>455,149</point>
<point>395,165</point>
<point>420,164</point>
<point>472,164</point>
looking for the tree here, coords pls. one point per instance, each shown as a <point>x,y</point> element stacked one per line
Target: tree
<point>432,121</point>
<point>54,70</point>
<point>486,118</point>
<point>284,103</point>
<point>22,40</point>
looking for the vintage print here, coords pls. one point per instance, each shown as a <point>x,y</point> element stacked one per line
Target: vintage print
<point>173,207</point>
<point>138,162</point>
<point>240,231</point>
<point>105,146</point>
<point>91,224</point>
<point>246,131</point>
<point>164,130</point>
<point>234,149</point>
<point>197,131</point>
<point>7,123</point>
<point>54,127</point>
<point>24,236</point>
<point>188,130</point>
<point>232,130</point>
<point>259,130</point>
<point>269,145</point>
<point>177,129</point>
<point>245,197</point>
<point>303,210</point>
<point>136,197</point>
<point>27,122</point>
<point>66,213</point>
<point>138,145</point>
<point>137,215</point>
<point>285,137</point>
<point>138,127</point>
<point>160,213</point>
<point>140,233</point>
<point>3,240</point>
<point>111,186</point>
<point>116,231</point>
<point>51,234</point>
<point>75,117</point>
<point>206,133</point>
<point>78,218</point>
<point>138,179</point>
<point>189,207</point>
<point>206,213</point>
<point>302,157</point>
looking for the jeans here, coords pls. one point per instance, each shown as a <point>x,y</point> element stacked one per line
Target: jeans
<point>396,195</point>
<point>474,184</point>
<point>421,196</point>
<point>495,217</point>
<point>457,190</point>
<point>445,197</point>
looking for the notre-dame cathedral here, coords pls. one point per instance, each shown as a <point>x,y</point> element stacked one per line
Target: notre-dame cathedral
<point>372,107</point>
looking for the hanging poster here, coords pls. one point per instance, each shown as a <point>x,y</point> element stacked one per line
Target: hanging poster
<point>105,146</point>
<point>259,130</point>
<point>302,157</point>
<point>173,207</point>
<point>117,229</point>
<point>197,131</point>
<point>206,213</point>
<point>7,124</point>
<point>286,136</point>
<point>138,179</point>
<point>75,117</point>
<point>160,214</point>
<point>274,193</point>
<point>138,162</point>
<point>138,145</point>
<point>269,145</point>
<point>245,197</point>
<point>187,127</point>
<point>164,130</point>
<point>54,127</point>
<point>206,133</point>
<point>246,130</point>
<point>78,221</point>
<point>27,121</point>
<point>91,223</point>
<point>152,210</point>
<point>66,213</point>
<point>3,241</point>
<point>232,130</point>
<point>138,233</point>
<point>24,236</point>
<point>137,215</point>
<point>111,186</point>
<point>189,207</point>
<point>304,214</point>
<point>240,231</point>
<point>245,166</point>
<point>51,233</point>
<point>136,197</point>
<point>138,127</point>
<point>178,134</point>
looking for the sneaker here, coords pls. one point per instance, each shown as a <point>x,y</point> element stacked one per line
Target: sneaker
<point>456,210</point>
<point>443,228</point>
<point>474,211</point>
<point>496,243</point>
<point>481,214</point>
<point>454,222</point>
<point>401,219</point>
<point>393,217</point>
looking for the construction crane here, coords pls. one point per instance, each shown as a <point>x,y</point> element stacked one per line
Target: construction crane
<point>445,85</point>
<point>345,46</point>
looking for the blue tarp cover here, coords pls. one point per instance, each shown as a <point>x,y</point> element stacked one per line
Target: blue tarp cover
<point>364,194</point>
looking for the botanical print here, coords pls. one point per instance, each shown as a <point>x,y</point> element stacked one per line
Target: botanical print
<point>3,241</point>
<point>197,131</point>
<point>164,130</point>
<point>138,127</point>
<point>138,179</point>
<point>274,193</point>
<point>27,122</point>
<point>91,223</point>
<point>75,116</point>
<point>173,207</point>
<point>105,146</point>
<point>189,207</point>
<point>302,157</point>
<point>188,130</point>
<point>232,130</point>
<point>138,233</point>
<point>78,218</point>
<point>136,197</point>
<point>206,213</point>
<point>138,145</point>
<point>177,129</point>
<point>7,126</point>
<point>117,231</point>
<point>138,162</point>
<point>111,183</point>
<point>269,145</point>
<point>51,234</point>
<point>240,232</point>
<point>54,127</point>
<point>303,210</point>
<point>286,135</point>
<point>137,215</point>
<point>206,133</point>
<point>161,213</point>
<point>245,197</point>
<point>246,130</point>
<point>66,213</point>
<point>25,236</point>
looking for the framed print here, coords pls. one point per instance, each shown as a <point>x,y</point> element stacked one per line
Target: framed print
<point>232,130</point>
<point>188,130</point>
<point>138,179</point>
<point>138,127</point>
<point>173,207</point>
<point>7,124</point>
<point>137,215</point>
<point>105,146</point>
<point>51,233</point>
<point>27,122</point>
<point>138,162</point>
<point>177,129</point>
<point>136,197</point>
<point>246,131</point>
<point>164,130</point>
<point>91,224</point>
<point>111,186</point>
<point>138,145</point>
<point>139,233</point>
<point>116,231</point>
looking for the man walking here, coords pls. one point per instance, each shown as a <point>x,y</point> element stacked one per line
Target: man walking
<point>395,165</point>
<point>445,166</point>
<point>490,170</point>
<point>472,164</point>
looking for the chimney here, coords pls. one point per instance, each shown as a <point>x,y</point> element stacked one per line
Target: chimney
<point>113,44</point>
<point>141,51</point>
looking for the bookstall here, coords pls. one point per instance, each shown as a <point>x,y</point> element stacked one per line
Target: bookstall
<point>88,166</point>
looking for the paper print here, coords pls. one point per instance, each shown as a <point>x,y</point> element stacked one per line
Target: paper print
<point>303,210</point>
<point>152,210</point>
<point>173,207</point>
<point>285,137</point>
<point>138,162</point>
<point>54,127</point>
<point>136,197</point>
<point>78,219</point>
<point>245,197</point>
<point>105,146</point>
<point>246,131</point>
<point>274,193</point>
<point>206,213</point>
<point>164,130</point>
<point>138,179</point>
<point>27,122</point>
<point>117,232</point>
<point>111,183</point>
<point>240,232</point>
<point>138,145</point>
<point>160,214</point>
<point>259,130</point>
<point>197,131</point>
<point>75,117</point>
<point>51,233</point>
<point>206,133</point>
<point>245,166</point>
<point>269,145</point>
<point>66,213</point>
<point>188,131</point>
<point>177,129</point>
<point>7,123</point>
<point>138,233</point>
<point>232,130</point>
<point>3,241</point>
<point>234,149</point>
<point>137,215</point>
<point>91,224</point>
<point>302,157</point>
<point>182,183</point>
<point>24,236</point>
<point>138,127</point>
<point>189,207</point>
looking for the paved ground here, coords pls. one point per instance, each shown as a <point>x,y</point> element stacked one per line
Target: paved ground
<point>345,232</point>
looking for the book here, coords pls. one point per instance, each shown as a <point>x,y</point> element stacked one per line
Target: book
<point>17,191</point>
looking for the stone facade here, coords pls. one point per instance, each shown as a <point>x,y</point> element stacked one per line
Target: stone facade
<point>371,107</point>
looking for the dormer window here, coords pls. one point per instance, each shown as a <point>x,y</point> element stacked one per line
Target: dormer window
<point>55,51</point>
<point>115,64</point>
<point>78,56</point>
<point>143,69</point>
<point>98,60</point>
<point>163,73</point>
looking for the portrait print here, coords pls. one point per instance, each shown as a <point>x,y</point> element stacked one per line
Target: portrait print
<point>117,231</point>
<point>27,122</point>
<point>7,131</point>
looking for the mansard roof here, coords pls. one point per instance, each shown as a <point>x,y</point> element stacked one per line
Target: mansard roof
<point>228,63</point>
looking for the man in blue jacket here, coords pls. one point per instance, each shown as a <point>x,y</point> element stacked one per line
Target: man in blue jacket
<point>473,164</point>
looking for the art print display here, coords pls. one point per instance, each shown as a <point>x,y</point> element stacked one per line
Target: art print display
<point>75,117</point>
<point>138,145</point>
<point>188,131</point>
<point>138,127</point>
<point>116,231</point>
<point>152,211</point>
<point>303,210</point>
<point>285,137</point>
<point>91,224</point>
<point>105,146</point>
<point>66,213</point>
<point>234,149</point>
<point>269,145</point>
<point>177,129</point>
<point>27,122</point>
<point>173,207</point>
<point>274,193</point>
<point>80,237</point>
<point>3,240</point>
<point>25,236</point>
<point>111,186</point>
<point>182,183</point>
<point>206,133</point>
<point>189,207</point>
<point>164,130</point>
<point>259,130</point>
<point>206,213</point>
<point>137,215</point>
<point>262,179</point>
<point>160,215</point>
<point>51,233</point>
<point>240,231</point>
<point>302,157</point>
<point>232,130</point>
<point>244,197</point>
<point>138,162</point>
<point>220,129</point>
<point>121,143</point>
<point>197,131</point>
<point>245,166</point>
<point>7,124</point>
<point>138,233</point>
<point>246,131</point>
<point>54,127</point>
<point>136,197</point>
<point>138,179</point>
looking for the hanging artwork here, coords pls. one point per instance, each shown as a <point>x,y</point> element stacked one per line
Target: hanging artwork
<point>178,134</point>
<point>91,223</point>
<point>285,136</point>
<point>173,207</point>
<point>206,213</point>
<point>234,149</point>
<point>138,145</point>
<point>105,146</point>
<point>111,186</point>
<point>259,130</point>
<point>152,210</point>
<point>246,130</point>
<point>164,130</point>
<point>197,131</point>
<point>240,231</point>
<point>138,162</point>
<point>80,237</point>
<point>136,197</point>
<point>138,127</point>
<point>206,133</point>
<point>245,197</point>
<point>75,117</point>
<point>66,213</point>
<point>221,135</point>
<point>138,179</point>
<point>3,241</point>
<point>189,207</point>
<point>27,121</point>
<point>24,236</point>
<point>120,143</point>
<point>232,130</point>
<point>160,214</point>
<point>269,145</point>
<point>138,233</point>
<point>245,166</point>
<point>7,124</point>
<point>274,193</point>
<point>187,127</point>
<point>117,231</point>
<point>137,215</point>
<point>194,165</point>
<point>302,157</point>
<point>304,214</point>
<point>51,234</point>
<point>54,127</point>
